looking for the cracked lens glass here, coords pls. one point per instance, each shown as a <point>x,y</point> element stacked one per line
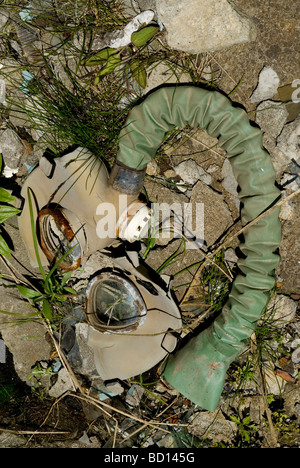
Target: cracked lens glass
<point>117,303</point>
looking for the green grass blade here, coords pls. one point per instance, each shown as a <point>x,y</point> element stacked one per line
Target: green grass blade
<point>47,311</point>
<point>4,248</point>
<point>34,236</point>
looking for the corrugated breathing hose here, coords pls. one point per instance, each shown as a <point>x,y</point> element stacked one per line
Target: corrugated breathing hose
<point>198,369</point>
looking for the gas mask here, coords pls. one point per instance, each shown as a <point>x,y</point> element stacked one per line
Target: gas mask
<point>134,320</point>
<point>78,208</point>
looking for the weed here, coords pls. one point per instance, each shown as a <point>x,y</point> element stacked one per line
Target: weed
<point>52,288</point>
<point>246,428</point>
<point>6,211</point>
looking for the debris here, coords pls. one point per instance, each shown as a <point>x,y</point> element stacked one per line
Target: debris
<point>2,92</point>
<point>4,17</point>
<point>274,385</point>
<point>134,395</point>
<point>168,441</point>
<point>62,385</point>
<point>271,117</point>
<point>296,353</point>
<point>284,309</point>
<point>12,151</point>
<point>267,85</point>
<point>285,375</point>
<point>289,140</point>
<point>152,168</point>
<point>8,440</point>
<point>212,426</point>
<point>119,38</point>
<point>27,78</point>
<point>204,26</point>
<point>190,173</point>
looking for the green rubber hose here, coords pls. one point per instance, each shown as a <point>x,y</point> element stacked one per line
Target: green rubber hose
<point>198,369</point>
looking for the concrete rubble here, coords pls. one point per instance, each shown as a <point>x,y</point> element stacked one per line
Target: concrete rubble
<point>288,141</point>
<point>204,26</point>
<point>267,87</point>
<point>212,426</point>
<point>12,151</point>
<point>190,172</point>
<point>271,116</point>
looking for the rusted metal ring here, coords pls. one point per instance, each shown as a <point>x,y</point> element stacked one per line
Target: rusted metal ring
<point>58,216</point>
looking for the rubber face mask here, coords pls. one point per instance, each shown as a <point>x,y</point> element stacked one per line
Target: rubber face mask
<point>134,322</point>
<point>77,211</point>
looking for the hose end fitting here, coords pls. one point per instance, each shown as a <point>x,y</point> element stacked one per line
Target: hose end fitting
<point>126,180</point>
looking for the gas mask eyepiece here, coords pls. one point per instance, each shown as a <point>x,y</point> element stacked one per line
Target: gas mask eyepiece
<point>114,304</point>
<point>61,236</point>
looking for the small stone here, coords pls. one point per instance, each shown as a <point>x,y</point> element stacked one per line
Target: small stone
<point>4,17</point>
<point>2,92</point>
<point>284,309</point>
<point>279,160</point>
<point>271,116</point>
<point>212,426</point>
<point>131,7</point>
<point>62,385</point>
<point>115,388</point>
<point>287,212</point>
<point>230,256</point>
<point>296,355</point>
<point>8,440</point>
<point>84,439</point>
<point>118,38</point>
<point>134,395</point>
<point>289,182</point>
<point>167,442</point>
<point>190,173</point>
<point>268,83</point>
<point>198,27</point>
<point>274,384</point>
<point>11,149</point>
<point>152,168</point>
<point>289,140</point>
<point>212,168</point>
<point>169,174</point>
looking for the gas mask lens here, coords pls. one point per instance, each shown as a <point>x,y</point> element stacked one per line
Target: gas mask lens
<point>114,304</point>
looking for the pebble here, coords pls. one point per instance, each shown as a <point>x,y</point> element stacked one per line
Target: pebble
<point>289,140</point>
<point>268,83</point>
<point>12,151</point>
<point>190,173</point>
<point>271,116</point>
